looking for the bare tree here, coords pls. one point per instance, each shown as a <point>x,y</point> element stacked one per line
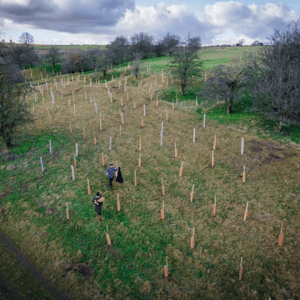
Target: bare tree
<point>104,62</point>
<point>185,63</point>
<point>52,56</point>
<point>276,95</point>
<point>118,49</point>
<point>92,57</point>
<point>135,68</point>
<point>13,110</point>
<point>241,42</point>
<point>159,48</point>
<point>225,83</point>
<point>3,41</point>
<point>26,39</point>
<point>142,43</point>
<point>30,57</point>
<point>171,43</point>
<point>255,43</point>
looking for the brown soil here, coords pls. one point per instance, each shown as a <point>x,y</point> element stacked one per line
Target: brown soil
<point>259,153</point>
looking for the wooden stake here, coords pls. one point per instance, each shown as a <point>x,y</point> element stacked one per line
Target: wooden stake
<point>192,194</point>
<point>142,122</point>
<point>241,269</point>
<point>120,130</point>
<point>102,160</point>
<point>244,175</point>
<point>173,105</point>
<point>89,189</point>
<point>134,105</point>
<point>162,186</point>
<point>175,150</point>
<point>156,103</point>
<point>140,161</point>
<point>246,213</point>
<point>107,236</point>
<point>166,267</point>
<point>166,114</point>
<point>215,206</point>
<point>212,159</point>
<point>135,183</point>
<point>118,204</point>
<point>162,211</point>
<point>140,145</point>
<point>67,212</point>
<point>95,142</point>
<point>280,240</point>
<point>180,172</point>
<point>215,141</point>
<point>70,127</point>
<point>84,132</point>
<point>192,240</point>
<point>74,160</point>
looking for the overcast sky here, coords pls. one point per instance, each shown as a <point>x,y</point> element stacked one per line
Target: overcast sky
<point>63,22</point>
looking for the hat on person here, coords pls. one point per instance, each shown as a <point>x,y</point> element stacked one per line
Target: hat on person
<point>98,194</point>
<point>111,164</point>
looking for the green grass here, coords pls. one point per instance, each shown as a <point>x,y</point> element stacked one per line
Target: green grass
<point>132,267</point>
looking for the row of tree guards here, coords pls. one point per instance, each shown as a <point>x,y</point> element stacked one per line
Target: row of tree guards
<point>280,241</point>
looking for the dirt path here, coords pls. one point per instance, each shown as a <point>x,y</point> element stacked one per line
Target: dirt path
<point>9,290</point>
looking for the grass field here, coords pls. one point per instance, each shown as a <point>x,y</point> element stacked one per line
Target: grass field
<point>46,47</point>
<point>34,203</point>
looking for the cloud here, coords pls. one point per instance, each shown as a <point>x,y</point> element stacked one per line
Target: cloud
<point>160,19</point>
<point>254,22</point>
<point>73,16</point>
<point>100,22</point>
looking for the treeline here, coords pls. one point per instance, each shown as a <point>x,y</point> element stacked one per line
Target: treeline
<point>270,76</point>
<point>121,50</point>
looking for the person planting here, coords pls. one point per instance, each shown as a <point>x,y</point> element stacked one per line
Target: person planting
<point>98,200</point>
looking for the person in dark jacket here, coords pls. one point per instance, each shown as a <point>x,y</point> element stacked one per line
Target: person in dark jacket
<point>98,200</point>
<point>110,172</point>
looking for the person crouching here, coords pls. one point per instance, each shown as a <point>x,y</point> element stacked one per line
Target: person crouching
<point>98,200</point>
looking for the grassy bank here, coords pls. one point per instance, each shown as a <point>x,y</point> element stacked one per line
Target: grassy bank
<point>132,267</point>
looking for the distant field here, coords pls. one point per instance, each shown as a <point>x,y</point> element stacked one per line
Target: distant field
<point>81,47</point>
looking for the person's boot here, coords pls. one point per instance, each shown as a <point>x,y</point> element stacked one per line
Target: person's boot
<point>111,187</point>
<point>100,219</point>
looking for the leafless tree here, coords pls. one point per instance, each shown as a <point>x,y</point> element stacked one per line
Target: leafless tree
<point>142,43</point>
<point>104,62</point>
<point>30,57</point>
<point>224,82</point>
<point>13,110</point>
<point>135,68</point>
<point>118,49</point>
<point>170,43</point>
<point>241,42</point>
<point>277,93</point>
<point>185,63</point>
<point>52,56</point>
<point>26,39</point>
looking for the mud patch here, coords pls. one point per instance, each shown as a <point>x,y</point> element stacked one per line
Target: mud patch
<point>259,153</point>
<point>50,210</point>
<point>81,268</point>
<point>3,195</point>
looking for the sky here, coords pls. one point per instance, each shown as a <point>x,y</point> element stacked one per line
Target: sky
<point>62,22</point>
